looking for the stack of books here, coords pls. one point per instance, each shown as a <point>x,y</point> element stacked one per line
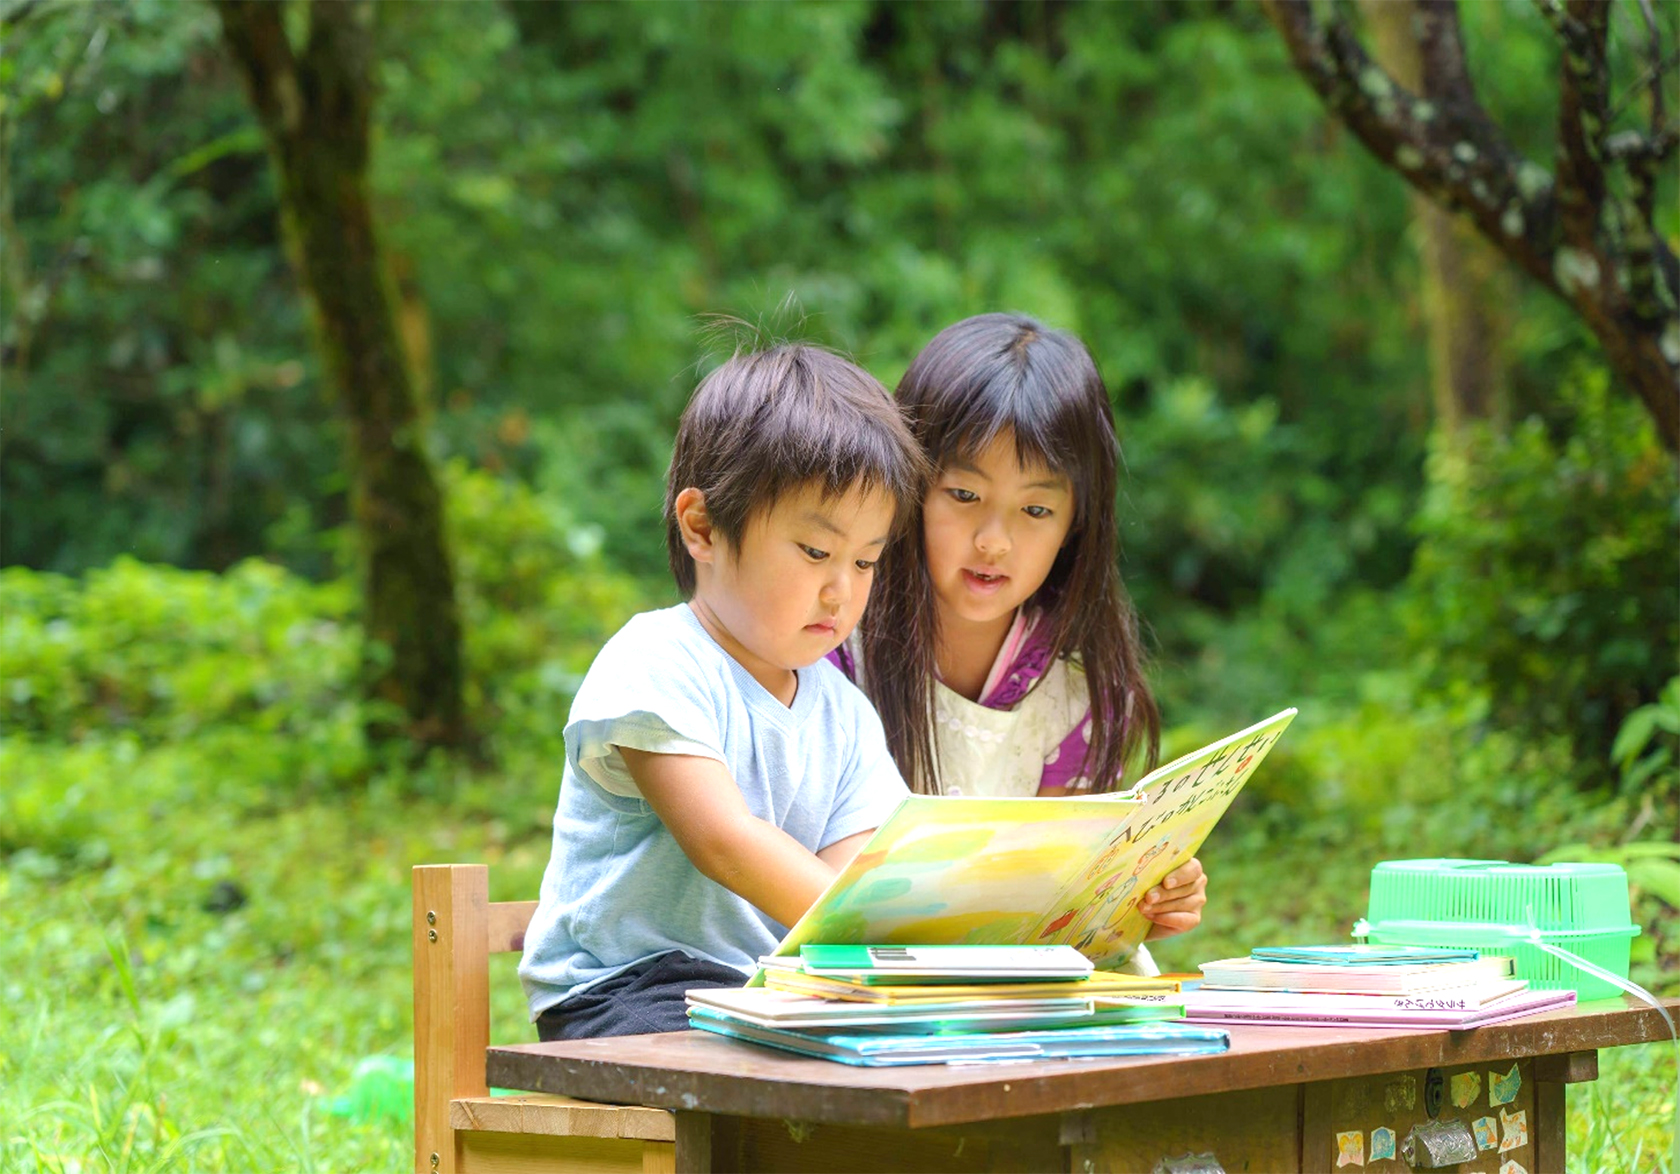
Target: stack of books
<point>1373,986</point>
<point>890,1005</point>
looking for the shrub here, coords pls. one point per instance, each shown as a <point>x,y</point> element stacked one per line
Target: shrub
<point>163,656</point>
<point>1543,588</point>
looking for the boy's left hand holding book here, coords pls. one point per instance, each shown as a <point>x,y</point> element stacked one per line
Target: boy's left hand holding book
<point>1175,905</point>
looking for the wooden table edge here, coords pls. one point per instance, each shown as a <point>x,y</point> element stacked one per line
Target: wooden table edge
<point>681,1071</point>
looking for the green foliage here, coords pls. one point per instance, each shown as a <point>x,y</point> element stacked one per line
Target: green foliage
<point>202,856</point>
<point>1543,588</point>
<point>232,949</point>
<point>159,398</point>
<point>169,653</point>
<point>149,655</point>
<point>1647,747</point>
<point>563,189</point>
<point>537,602</point>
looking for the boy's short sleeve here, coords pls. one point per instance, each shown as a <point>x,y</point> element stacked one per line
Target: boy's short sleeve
<point>871,786</point>
<point>659,699</point>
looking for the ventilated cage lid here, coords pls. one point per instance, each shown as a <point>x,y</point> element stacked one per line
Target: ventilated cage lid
<point>1483,896</point>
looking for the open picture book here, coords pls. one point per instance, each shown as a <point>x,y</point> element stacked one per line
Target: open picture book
<point>950,869</point>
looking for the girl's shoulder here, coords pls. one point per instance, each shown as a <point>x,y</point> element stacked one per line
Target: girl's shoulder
<point>1026,659</point>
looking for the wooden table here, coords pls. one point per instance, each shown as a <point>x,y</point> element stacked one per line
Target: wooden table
<point>1282,1098</point>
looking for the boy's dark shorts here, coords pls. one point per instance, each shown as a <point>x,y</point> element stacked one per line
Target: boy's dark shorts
<point>646,997</point>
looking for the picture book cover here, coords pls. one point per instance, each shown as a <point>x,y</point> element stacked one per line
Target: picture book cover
<point>959,870</point>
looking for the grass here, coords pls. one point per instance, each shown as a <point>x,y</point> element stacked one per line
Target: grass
<point>196,955</point>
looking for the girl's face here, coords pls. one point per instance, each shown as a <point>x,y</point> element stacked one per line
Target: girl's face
<point>992,529</point>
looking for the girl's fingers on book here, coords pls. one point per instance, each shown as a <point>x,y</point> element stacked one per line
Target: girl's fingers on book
<point>1166,924</point>
<point>1188,873</point>
<point>1160,906</point>
<point>1170,894</point>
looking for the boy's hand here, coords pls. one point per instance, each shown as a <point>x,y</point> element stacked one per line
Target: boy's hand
<point>1175,905</point>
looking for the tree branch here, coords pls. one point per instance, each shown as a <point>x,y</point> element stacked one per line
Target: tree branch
<point>1599,251</point>
<point>1441,142</point>
<point>1441,51</point>
<point>1583,106</point>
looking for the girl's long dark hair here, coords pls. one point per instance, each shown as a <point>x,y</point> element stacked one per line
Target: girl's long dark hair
<point>976,380</point>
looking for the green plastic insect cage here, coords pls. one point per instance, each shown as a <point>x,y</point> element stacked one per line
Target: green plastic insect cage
<point>1495,907</point>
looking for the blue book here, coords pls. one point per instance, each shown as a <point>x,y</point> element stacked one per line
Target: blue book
<point>877,1051</point>
<point>1360,955</point>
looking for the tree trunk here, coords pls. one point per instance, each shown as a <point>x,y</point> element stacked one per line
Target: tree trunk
<point>1464,289</point>
<point>315,109</point>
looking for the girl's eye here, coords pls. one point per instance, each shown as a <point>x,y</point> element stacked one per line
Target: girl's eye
<point>963,495</point>
<point>1038,511</point>
<point>864,564</point>
<point>813,553</point>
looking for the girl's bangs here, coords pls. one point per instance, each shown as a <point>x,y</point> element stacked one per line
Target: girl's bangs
<point>1044,439</point>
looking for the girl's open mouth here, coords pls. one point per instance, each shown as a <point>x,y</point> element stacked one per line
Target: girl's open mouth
<point>983,581</point>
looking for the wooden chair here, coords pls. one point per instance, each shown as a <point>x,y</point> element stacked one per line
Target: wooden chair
<point>458,1127</point>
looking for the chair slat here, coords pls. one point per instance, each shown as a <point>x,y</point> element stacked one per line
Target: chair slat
<point>508,922</point>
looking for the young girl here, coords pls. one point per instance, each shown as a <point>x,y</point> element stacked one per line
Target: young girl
<point>1000,648</point>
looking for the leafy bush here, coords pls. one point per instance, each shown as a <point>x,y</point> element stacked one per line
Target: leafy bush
<point>161,655</point>
<point>537,601</point>
<point>167,653</point>
<point>1543,588</point>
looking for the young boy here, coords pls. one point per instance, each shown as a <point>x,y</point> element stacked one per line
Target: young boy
<point>719,771</point>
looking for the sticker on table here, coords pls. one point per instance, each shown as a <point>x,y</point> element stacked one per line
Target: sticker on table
<point>1487,1133</point>
<point>1350,1148</point>
<point>1400,1096</point>
<point>1382,1143</point>
<point>1466,1087</point>
<point>1502,1090</point>
<point>1514,1129</point>
<point>1512,1167</point>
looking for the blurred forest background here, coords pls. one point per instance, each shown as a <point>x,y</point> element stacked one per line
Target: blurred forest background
<point>1375,468</point>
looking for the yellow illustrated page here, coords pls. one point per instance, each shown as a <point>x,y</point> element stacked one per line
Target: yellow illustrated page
<point>1098,912</point>
<point>958,870</point>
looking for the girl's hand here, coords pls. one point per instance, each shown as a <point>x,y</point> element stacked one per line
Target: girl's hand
<point>1175,905</point>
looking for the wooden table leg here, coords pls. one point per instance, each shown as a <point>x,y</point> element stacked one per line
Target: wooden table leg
<point>694,1143</point>
<point>1552,1075</point>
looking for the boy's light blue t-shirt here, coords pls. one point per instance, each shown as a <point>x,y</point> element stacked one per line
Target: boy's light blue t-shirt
<point>618,889</point>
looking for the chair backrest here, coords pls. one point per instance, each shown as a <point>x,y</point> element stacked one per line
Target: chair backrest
<point>456,929</point>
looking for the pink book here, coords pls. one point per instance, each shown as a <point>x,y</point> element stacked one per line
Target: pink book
<point>1458,998</point>
<point>1419,1011</point>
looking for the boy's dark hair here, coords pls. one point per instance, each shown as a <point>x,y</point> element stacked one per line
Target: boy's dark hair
<point>977,379</point>
<point>767,422</point>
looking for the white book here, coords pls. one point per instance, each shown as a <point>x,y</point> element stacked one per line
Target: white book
<point>1247,974</point>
